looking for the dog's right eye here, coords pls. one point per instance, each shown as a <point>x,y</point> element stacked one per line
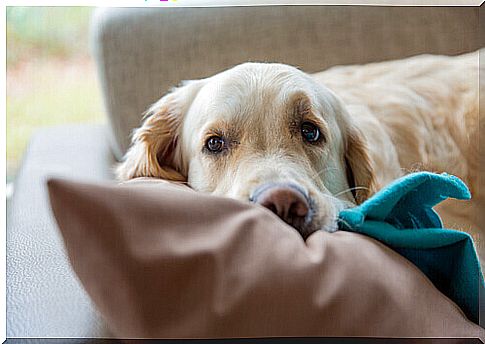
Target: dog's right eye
<point>215,144</point>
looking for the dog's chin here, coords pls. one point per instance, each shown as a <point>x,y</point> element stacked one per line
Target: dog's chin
<point>313,223</point>
<point>306,231</point>
<point>331,227</point>
<point>325,217</point>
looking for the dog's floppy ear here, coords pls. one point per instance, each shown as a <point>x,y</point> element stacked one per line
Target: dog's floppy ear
<point>360,172</point>
<point>154,149</point>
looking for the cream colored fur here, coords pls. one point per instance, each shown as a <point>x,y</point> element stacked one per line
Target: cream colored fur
<point>419,113</point>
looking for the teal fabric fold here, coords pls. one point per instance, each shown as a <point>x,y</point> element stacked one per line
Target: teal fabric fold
<point>401,216</point>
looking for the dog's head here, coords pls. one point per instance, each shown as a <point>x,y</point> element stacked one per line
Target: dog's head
<point>264,133</point>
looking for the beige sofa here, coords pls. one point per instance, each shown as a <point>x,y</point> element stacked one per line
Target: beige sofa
<point>140,54</point>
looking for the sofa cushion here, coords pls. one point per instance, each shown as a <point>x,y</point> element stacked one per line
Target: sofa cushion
<point>160,260</point>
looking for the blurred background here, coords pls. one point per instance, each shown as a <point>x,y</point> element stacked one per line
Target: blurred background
<point>51,76</point>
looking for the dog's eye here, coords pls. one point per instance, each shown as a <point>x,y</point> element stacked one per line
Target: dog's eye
<point>310,132</point>
<point>215,144</point>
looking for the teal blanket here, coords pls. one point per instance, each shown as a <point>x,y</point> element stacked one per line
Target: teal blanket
<point>401,216</point>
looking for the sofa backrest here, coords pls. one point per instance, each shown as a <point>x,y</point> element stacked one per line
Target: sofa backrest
<point>142,52</point>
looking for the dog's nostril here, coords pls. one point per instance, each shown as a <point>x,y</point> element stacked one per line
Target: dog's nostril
<point>288,203</point>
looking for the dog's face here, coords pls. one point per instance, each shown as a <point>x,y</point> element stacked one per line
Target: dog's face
<point>264,133</point>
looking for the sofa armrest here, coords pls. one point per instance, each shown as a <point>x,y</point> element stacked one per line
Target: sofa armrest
<point>44,297</point>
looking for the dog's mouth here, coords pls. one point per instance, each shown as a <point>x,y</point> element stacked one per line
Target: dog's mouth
<point>292,204</point>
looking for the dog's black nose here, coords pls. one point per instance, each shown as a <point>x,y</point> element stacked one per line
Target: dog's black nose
<point>285,200</point>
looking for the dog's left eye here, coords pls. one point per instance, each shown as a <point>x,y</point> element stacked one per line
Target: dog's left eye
<point>310,132</point>
<point>215,144</point>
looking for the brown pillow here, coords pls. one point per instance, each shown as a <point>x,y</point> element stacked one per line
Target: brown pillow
<point>160,260</point>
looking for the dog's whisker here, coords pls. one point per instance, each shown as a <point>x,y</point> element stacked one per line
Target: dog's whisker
<point>351,189</point>
<point>339,220</point>
<point>328,196</point>
<point>317,174</point>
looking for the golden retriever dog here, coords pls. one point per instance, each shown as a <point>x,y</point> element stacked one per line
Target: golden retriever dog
<point>306,146</point>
